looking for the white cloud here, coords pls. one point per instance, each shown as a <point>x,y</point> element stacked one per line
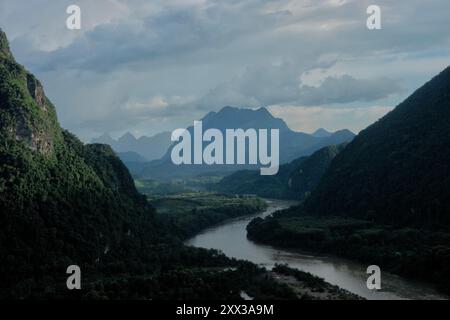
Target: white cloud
<point>308,119</point>
<point>156,103</point>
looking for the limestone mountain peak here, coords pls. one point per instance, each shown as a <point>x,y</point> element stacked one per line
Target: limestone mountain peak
<point>4,45</point>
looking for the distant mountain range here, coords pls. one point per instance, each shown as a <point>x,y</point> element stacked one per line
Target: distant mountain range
<point>147,148</point>
<point>321,133</point>
<point>292,144</point>
<point>130,156</point>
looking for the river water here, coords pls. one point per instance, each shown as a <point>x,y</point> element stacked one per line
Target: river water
<point>230,237</point>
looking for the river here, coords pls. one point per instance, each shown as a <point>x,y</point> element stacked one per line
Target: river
<point>230,237</point>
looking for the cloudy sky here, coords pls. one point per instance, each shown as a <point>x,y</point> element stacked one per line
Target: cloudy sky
<point>147,66</point>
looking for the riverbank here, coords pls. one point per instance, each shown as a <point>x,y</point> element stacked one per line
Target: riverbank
<point>230,237</point>
<point>405,251</point>
<point>309,287</point>
<point>188,213</point>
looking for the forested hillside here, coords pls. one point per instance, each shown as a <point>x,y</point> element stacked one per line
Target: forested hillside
<point>295,180</point>
<point>397,171</point>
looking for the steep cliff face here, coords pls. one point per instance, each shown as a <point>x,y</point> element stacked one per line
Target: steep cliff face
<point>61,202</point>
<point>25,112</point>
<point>4,45</point>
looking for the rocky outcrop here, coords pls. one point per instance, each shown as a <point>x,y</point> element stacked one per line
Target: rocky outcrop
<point>25,112</point>
<point>4,46</point>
